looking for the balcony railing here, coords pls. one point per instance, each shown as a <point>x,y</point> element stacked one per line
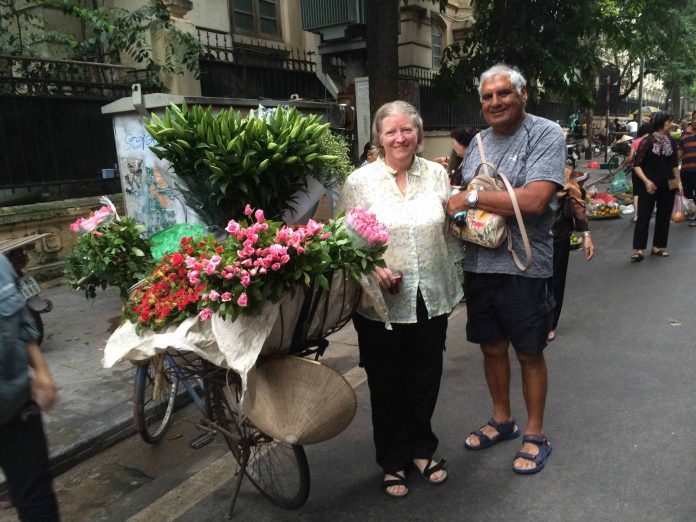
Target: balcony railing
<point>30,76</point>
<point>225,47</point>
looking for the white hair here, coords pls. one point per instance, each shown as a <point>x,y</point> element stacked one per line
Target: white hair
<point>516,78</point>
<point>393,108</point>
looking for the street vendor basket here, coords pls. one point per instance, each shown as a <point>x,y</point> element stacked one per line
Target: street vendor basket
<point>312,313</point>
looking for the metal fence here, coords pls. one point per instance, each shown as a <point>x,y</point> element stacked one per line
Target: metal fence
<point>257,69</point>
<point>54,140</point>
<point>29,76</point>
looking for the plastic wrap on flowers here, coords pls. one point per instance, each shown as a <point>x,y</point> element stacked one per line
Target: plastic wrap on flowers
<point>365,230</point>
<point>167,241</point>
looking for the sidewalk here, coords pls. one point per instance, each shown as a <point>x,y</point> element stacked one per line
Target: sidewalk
<point>94,404</point>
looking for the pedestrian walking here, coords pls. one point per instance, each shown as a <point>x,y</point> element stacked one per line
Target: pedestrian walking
<point>643,131</point>
<point>656,164</point>
<point>687,157</point>
<point>420,287</point>
<point>23,448</point>
<point>369,154</point>
<point>505,306</point>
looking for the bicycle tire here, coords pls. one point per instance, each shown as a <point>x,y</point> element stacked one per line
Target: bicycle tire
<point>620,160</point>
<point>279,470</point>
<point>152,416</point>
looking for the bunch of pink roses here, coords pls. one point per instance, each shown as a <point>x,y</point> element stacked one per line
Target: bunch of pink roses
<point>364,228</point>
<point>89,224</point>
<point>255,264</point>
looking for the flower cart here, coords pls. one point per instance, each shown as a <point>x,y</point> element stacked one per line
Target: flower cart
<point>233,303</point>
<point>235,311</point>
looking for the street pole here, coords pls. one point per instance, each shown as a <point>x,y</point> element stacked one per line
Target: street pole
<point>640,92</point>
<point>606,123</point>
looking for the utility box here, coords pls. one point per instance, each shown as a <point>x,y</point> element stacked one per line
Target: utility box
<point>149,193</point>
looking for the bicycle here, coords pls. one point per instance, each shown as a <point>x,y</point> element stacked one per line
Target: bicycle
<point>279,470</point>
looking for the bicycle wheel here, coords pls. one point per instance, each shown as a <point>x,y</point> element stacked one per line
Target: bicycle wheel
<point>617,159</point>
<point>156,386</point>
<point>278,470</point>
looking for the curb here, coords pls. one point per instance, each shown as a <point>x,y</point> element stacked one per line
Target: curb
<point>98,438</point>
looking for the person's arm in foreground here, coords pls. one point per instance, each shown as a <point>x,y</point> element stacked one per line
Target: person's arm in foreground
<point>43,389</point>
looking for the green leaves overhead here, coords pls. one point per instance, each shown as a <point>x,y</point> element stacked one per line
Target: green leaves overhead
<point>224,161</point>
<point>562,46</point>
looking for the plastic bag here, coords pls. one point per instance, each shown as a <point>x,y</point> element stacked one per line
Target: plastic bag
<point>619,184</point>
<point>167,241</point>
<point>683,209</point>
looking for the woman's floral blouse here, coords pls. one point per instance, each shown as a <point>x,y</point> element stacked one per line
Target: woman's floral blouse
<point>419,245</point>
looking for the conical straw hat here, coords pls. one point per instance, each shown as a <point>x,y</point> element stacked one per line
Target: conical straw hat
<point>300,401</point>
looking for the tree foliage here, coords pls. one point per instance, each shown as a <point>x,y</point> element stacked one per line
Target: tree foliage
<point>19,27</point>
<point>659,31</point>
<point>110,31</point>
<point>561,46</point>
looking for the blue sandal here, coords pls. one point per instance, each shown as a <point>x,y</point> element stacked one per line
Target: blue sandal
<point>539,459</point>
<point>506,431</point>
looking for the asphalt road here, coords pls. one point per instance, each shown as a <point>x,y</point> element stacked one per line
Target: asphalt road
<point>620,416</point>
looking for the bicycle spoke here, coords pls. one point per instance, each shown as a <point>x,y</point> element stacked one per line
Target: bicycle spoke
<point>278,470</point>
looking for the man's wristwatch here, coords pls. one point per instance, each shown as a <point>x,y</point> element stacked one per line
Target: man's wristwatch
<point>472,198</point>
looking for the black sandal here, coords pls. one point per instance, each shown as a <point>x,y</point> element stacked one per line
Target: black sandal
<point>431,468</point>
<point>400,481</point>
<point>660,252</point>
<point>637,256</point>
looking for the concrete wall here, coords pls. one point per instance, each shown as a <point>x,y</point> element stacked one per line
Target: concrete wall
<point>214,14</point>
<point>46,261</point>
<point>436,143</point>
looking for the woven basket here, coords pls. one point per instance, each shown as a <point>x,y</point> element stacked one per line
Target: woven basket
<point>328,311</point>
<point>299,401</point>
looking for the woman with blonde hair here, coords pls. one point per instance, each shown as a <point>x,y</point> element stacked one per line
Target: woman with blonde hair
<point>420,287</point>
<point>570,216</point>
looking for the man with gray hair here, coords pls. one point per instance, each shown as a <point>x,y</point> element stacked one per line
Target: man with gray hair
<point>506,306</point>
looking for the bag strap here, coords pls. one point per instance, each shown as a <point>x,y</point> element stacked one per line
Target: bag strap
<point>516,208</point>
<point>482,154</point>
<point>523,231</point>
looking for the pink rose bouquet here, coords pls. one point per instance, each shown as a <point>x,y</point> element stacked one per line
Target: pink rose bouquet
<point>365,230</point>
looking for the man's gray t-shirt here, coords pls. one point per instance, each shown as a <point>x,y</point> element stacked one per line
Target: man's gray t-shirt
<point>534,152</point>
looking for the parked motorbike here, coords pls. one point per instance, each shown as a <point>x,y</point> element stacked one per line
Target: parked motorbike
<point>16,252</point>
<point>572,155</point>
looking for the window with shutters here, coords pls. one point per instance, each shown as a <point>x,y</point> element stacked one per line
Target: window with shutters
<point>437,46</point>
<point>255,18</point>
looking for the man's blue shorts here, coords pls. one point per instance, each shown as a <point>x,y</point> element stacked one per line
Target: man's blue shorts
<point>513,307</point>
